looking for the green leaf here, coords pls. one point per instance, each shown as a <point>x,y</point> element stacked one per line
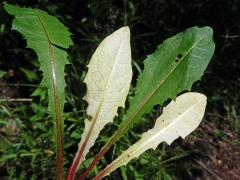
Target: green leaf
<point>41,92</point>
<point>44,34</point>
<point>171,69</point>
<point>31,75</point>
<point>176,64</point>
<point>2,73</point>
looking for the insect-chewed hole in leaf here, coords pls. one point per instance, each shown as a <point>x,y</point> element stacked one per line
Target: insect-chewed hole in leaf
<point>179,56</point>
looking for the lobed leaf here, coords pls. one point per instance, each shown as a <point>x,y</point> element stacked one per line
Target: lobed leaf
<point>43,34</point>
<point>179,118</point>
<point>108,82</point>
<point>172,68</point>
<point>176,64</point>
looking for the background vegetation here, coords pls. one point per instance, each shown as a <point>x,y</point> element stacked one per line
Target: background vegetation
<point>26,150</point>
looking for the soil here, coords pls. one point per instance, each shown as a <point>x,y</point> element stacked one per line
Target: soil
<point>217,158</point>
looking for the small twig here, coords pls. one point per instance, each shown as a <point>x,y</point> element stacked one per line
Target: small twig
<point>27,85</point>
<point>231,36</point>
<point>209,171</point>
<point>16,100</point>
<point>234,174</point>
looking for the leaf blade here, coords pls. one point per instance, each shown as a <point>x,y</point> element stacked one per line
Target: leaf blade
<point>164,77</point>
<point>42,31</point>
<point>168,78</point>
<point>179,118</point>
<point>108,82</point>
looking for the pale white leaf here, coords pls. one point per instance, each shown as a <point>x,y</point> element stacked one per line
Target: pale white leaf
<point>179,118</point>
<point>108,82</point>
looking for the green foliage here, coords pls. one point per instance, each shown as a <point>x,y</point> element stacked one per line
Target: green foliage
<point>232,114</point>
<point>2,73</point>
<point>171,69</point>
<point>31,75</point>
<point>25,141</point>
<point>43,32</point>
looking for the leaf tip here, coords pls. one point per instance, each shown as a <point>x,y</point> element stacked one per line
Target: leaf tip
<point>8,7</point>
<point>125,29</point>
<point>123,32</point>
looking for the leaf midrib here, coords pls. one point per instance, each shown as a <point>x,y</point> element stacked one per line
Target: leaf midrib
<point>153,92</point>
<point>146,143</point>
<point>105,89</point>
<point>59,162</point>
<point>174,121</point>
<point>52,60</point>
<point>94,119</point>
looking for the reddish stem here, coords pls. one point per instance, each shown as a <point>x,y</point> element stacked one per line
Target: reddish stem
<point>96,159</point>
<point>104,150</point>
<point>72,170</point>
